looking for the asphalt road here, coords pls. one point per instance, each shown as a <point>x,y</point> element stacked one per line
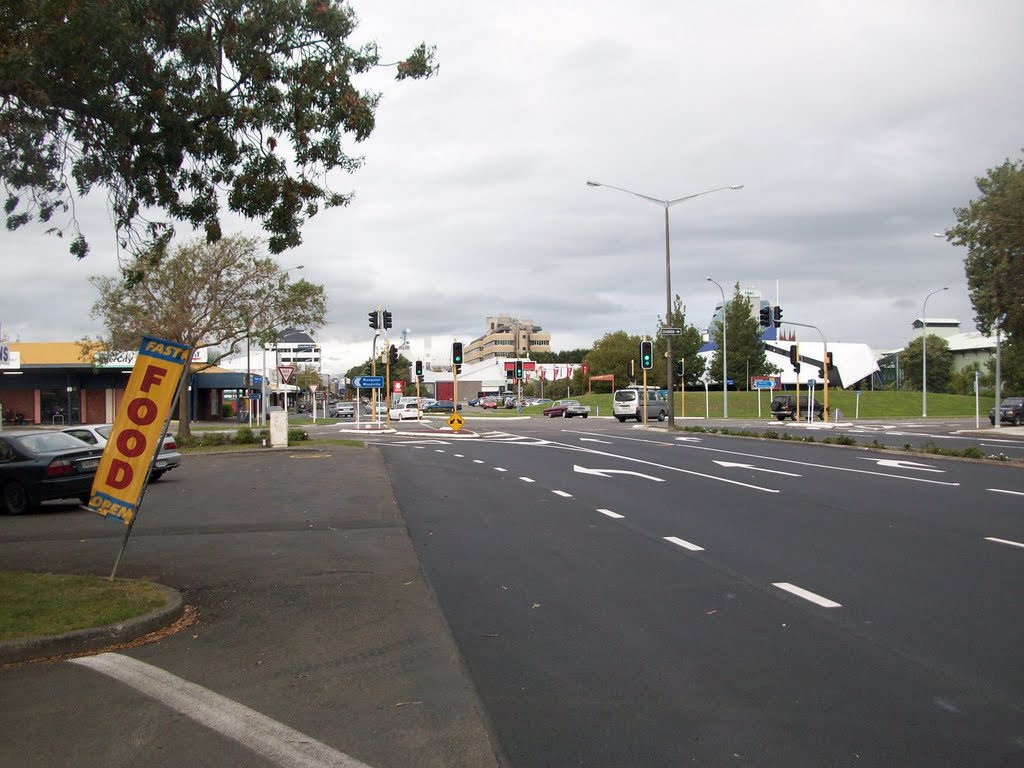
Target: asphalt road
<point>317,641</point>
<point>709,600</point>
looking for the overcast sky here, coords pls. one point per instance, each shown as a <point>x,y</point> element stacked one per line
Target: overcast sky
<point>856,128</point>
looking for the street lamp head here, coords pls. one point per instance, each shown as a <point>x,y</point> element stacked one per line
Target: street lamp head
<point>937,234</point>
<point>593,184</point>
<point>736,186</point>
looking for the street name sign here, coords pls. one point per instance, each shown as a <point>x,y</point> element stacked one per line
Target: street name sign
<point>367,382</point>
<point>669,330</point>
<point>764,384</point>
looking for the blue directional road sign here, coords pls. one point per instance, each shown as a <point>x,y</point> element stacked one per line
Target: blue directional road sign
<point>367,382</point>
<point>764,384</point>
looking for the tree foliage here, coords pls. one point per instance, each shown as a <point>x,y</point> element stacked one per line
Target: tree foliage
<point>172,105</point>
<point>684,347</point>
<point>204,295</point>
<point>940,364</point>
<point>991,227</point>
<point>611,354</point>
<point>744,346</point>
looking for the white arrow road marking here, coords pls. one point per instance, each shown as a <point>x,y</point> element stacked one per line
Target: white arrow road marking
<point>901,464</point>
<point>824,602</point>
<point>1000,490</point>
<point>1005,541</point>
<point>276,743</point>
<point>610,472</point>
<point>811,464</point>
<point>757,469</point>
<point>594,440</point>
<point>689,439</point>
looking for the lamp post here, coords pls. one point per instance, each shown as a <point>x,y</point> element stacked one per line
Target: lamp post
<point>666,204</point>
<point>725,366</point>
<point>924,351</point>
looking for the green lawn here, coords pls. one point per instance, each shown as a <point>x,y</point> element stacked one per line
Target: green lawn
<point>40,604</point>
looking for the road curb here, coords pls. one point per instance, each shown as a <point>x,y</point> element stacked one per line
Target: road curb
<point>81,641</point>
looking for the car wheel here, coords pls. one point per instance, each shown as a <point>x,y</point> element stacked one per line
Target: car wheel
<point>585,415</point>
<point>781,418</point>
<point>156,475</point>
<point>992,421</point>
<point>15,498</point>
<point>1016,420</point>
<point>85,498</point>
<point>639,417</point>
<point>661,415</point>
<point>622,419</point>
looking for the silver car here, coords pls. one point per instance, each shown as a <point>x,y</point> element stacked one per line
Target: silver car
<point>99,434</point>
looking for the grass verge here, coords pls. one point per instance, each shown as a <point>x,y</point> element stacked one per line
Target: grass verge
<point>41,604</point>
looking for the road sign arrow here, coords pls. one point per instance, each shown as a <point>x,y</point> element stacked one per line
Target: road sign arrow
<point>730,464</point>
<point>610,472</point>
<point>900,464</point>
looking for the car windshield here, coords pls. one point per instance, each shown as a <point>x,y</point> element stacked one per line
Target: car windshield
<point>1011,401</point>
<point>48,443</point>
<point>105,430</point>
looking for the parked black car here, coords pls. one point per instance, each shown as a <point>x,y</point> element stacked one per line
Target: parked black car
<point>1011,409</point>
<point>784,406</point>
<point>441,406</point>
<point>41,465</point>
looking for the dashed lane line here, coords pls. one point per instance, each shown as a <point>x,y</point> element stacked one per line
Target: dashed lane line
<point>1004,541</point>
<point>609,513</point>
<point>824,602</point>
<point>683,543</point>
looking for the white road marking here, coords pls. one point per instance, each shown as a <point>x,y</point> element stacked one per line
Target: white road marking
<point>274,741</point>
<point>1000,490</point>
<point>758,469</point>
<point>689,439</point>
<point>500,469</point>
<point>683,544</point>
<point>609,472</point>
<point>824,602</point>
<point>614,515</point>
<point>1004,541</point>
<point>439,450</point>
<point>478,461</point>
<point>526,479</point>
<point>594,440</point>
<point>562,494</point>
<point>901,464</point>
<point>818,466</point>
<point>458,455</point>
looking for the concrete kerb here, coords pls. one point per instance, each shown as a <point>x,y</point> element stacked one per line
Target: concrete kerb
<point>84,641</point>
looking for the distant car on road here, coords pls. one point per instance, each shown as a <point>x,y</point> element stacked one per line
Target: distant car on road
<point>342,409</point>
<point>99,434</point>
<point>441,406</point>
<point>405,411</point>
<point>567,409</point>
<point>1011,409</point>
<point>489,402</point>
<point>41,465</point>
<point>784,406</point>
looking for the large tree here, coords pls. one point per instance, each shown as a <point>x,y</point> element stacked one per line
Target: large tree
<point>174,105</point>
<point>611,354</point>
<point>684,347</point>
<point>744,345</point>
<point>991,227</point>
<point>204,295</point>
<point>939,363</point>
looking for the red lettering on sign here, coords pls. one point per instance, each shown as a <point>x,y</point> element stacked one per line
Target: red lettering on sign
<point>131,443</point>
<point>142,411</point>
<point>120,474</point>
<point>152,377</point>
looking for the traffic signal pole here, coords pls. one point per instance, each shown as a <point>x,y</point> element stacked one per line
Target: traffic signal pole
<point>824,365</point>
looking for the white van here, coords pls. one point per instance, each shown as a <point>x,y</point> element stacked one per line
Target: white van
<point>628,403</point>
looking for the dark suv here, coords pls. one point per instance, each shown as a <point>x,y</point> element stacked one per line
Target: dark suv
<point>1011,409</point>
<point>784,406</point>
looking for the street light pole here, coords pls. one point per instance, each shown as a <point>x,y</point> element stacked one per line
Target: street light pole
<point>666,204</point>
<point>725,365</point>
<point>924,351</point>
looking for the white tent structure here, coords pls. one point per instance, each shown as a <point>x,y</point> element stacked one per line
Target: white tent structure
<point>851,363</point>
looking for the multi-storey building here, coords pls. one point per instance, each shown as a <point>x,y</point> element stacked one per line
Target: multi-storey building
<point>507,336</point>
<point>297,349</point>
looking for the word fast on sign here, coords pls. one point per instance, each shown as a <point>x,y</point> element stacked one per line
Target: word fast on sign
<point>135,437</point>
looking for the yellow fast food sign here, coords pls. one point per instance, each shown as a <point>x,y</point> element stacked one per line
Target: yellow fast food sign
<point>138,427</point>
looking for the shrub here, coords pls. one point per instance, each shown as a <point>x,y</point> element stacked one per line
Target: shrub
<point>297,435</point>
<point>245,436</point>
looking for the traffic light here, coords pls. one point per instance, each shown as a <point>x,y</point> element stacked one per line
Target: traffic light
<point>375,320</point>
<point>646,355</point>
<point>519,370</point>
<point>679,369</point>
<point>778,316</point>
<point>419,369</point>
<point>387,319</point>
<point>828,361</point>
<point>457,356</point>
<point>393,355</point>
<point>766,316</point>
<point>794,357</point>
